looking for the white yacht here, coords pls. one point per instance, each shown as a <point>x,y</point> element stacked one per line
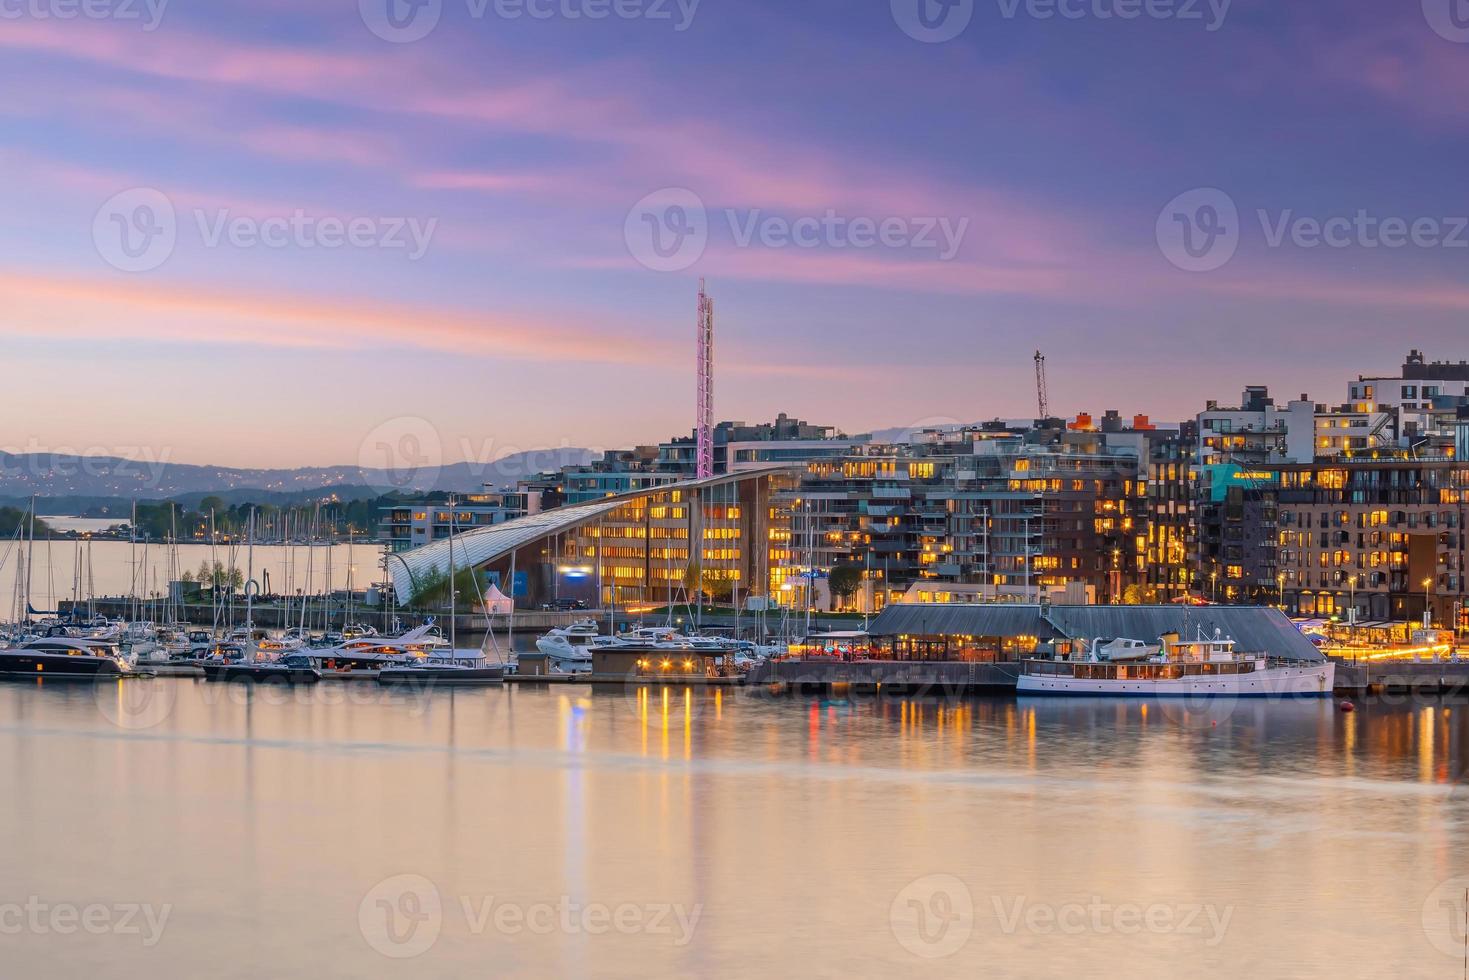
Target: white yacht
<point>569,648</point>
<point>1176,668</point>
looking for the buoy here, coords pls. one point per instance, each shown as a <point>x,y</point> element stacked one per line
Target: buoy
<point>1348,707</point>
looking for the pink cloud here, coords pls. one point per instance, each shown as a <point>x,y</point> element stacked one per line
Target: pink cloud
<point>479,181</point>
<point>104,308</point>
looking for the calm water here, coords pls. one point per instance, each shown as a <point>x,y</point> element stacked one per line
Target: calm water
<point>342,832</point>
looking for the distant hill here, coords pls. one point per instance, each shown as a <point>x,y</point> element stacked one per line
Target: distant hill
<point>104,477</point>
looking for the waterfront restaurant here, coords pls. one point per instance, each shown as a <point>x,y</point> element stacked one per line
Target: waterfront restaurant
<point>1006,633</point>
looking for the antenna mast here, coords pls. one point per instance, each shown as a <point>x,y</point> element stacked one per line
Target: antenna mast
<point>1040,386</point>
<point>704,419</point>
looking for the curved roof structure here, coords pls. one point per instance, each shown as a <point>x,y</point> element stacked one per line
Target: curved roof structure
<point>487,544</point>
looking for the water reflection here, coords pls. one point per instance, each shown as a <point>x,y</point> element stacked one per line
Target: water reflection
<point>964,837</point>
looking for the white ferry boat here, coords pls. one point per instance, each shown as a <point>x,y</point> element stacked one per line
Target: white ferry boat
<point>1177,668</point>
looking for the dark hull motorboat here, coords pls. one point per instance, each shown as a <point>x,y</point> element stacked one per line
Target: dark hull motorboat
<point>57,666</point>
<point>62,658</point>
<point>441,676</point>
<point>271,673</point>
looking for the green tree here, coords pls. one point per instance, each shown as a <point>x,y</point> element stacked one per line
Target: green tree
<point>719,587</point>
<point>844,581</point>
<point>12,519</point>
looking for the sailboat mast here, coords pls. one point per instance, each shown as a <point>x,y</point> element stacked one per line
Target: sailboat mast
<point>250,574</point>
<point>453,608</point>
<point>30,557</point>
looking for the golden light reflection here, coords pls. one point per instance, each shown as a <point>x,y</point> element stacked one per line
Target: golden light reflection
<point>1425,743</point>
<point>664,725</point>
<point>642,705</point>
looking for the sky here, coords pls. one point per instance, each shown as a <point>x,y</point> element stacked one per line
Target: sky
<point>302,232</point>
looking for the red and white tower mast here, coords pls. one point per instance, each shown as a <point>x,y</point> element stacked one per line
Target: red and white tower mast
<point>704,425</point>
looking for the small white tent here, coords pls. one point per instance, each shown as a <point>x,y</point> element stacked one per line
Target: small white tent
<point>497,603</point>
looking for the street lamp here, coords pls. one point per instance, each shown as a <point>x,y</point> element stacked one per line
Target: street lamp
<point>1280,586</point>
<point>1427,603</point>
<point>1352,591</point>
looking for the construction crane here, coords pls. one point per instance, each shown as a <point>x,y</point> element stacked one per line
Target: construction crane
<point>1040,385</point>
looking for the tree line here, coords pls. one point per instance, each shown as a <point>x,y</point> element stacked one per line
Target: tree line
<point>12,522</point>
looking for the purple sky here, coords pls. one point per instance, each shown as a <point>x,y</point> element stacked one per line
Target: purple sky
<point>524,150</point>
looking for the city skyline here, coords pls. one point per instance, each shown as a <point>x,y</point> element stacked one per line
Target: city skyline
<point>504,167</point>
